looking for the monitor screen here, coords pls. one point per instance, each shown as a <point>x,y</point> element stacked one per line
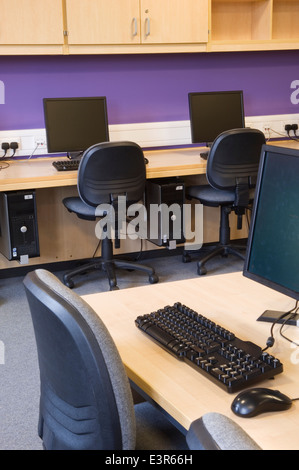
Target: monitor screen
<point>212,113</point>
<point>272,256</point>
<point>75,124</point>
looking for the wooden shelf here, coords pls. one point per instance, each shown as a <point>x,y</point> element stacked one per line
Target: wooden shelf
<point>253,25</point>
<point>240,20</point>
<point>285,20</point>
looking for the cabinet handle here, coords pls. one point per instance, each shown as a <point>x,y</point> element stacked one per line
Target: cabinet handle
<point>147,26</point>
<point>135,30</point>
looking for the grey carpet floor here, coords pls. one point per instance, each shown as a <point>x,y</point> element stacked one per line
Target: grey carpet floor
<point>19,374</point>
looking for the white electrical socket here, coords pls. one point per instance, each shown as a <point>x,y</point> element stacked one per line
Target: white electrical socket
<point>40,142</point>
<point>9,140</point>
<point>290,122</point>
<point>267,126</point>
<point>283,127</point>
<point>28,143</point>
<point>274,129</point>
<point>267,129</point>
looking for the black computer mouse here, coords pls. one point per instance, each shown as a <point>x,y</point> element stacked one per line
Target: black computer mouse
<point>255,401</point>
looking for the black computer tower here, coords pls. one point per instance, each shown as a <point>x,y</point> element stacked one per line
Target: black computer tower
<point>165,228</point>
<point>18,225</point>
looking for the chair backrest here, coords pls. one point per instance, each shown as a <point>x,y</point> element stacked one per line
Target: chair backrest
<point>85,400</point>
<point>234,158</point>
<point>111,169</point>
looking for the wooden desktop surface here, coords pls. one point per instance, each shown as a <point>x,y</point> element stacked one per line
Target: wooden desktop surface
<point>64,237</point>
<point>231,300</point>
<point>39,172</point>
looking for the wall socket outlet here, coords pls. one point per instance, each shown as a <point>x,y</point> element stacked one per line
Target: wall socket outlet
<point>41,142</point>
<point>9,140</point>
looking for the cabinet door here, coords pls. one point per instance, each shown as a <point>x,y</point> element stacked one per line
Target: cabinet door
<point>32,22</point>
<point>174,21</point>
<point>103,21</point>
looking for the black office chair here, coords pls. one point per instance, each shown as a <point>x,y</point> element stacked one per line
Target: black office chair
<point>232,168</point>
<point>85,397</point>
<point>108,171</point>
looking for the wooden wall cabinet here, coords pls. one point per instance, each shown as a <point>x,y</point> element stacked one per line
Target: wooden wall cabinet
<point>174,21</point>
<point>146,26</point>
<point>31,26</point>
<point>102,22</point>
<point>118,26</point>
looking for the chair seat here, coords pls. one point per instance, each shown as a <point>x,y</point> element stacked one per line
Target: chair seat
<point>214,197</point>
<point>83,210</point>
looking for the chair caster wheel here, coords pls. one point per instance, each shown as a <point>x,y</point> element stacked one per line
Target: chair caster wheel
<point>186,258</point>
<point>70,284</point>
<point>201,270</point>
<point>153,279</point>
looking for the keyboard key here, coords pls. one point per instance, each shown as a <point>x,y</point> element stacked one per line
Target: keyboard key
<point>158,334</point>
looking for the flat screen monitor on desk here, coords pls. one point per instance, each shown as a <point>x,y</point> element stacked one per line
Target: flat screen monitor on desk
<point>75,124</point>
<point>212,113</point>
<point>272,256</point>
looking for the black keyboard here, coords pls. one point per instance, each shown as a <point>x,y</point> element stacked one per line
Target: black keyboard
<point>66,165</point>
<point>214,351</point>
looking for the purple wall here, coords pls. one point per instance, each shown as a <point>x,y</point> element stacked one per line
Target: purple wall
<point>145,88</point>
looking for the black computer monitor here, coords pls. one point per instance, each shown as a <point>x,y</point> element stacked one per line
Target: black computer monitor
<point>272,256</point>
<point>75,124</point>
<point>212,113</point>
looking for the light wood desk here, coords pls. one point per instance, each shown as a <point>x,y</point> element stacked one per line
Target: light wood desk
<point>232,301</point>
<point>39,172</point>
<point>64,237</point>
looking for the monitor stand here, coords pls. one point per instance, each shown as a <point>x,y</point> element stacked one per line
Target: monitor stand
<point>272,316</point>
<point>205,154</point>
<point>74,155</point>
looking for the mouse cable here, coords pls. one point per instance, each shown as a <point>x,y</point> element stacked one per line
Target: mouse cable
<point>270,341</point>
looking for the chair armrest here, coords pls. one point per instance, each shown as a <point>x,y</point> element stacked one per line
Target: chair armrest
<point>214,431</point>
